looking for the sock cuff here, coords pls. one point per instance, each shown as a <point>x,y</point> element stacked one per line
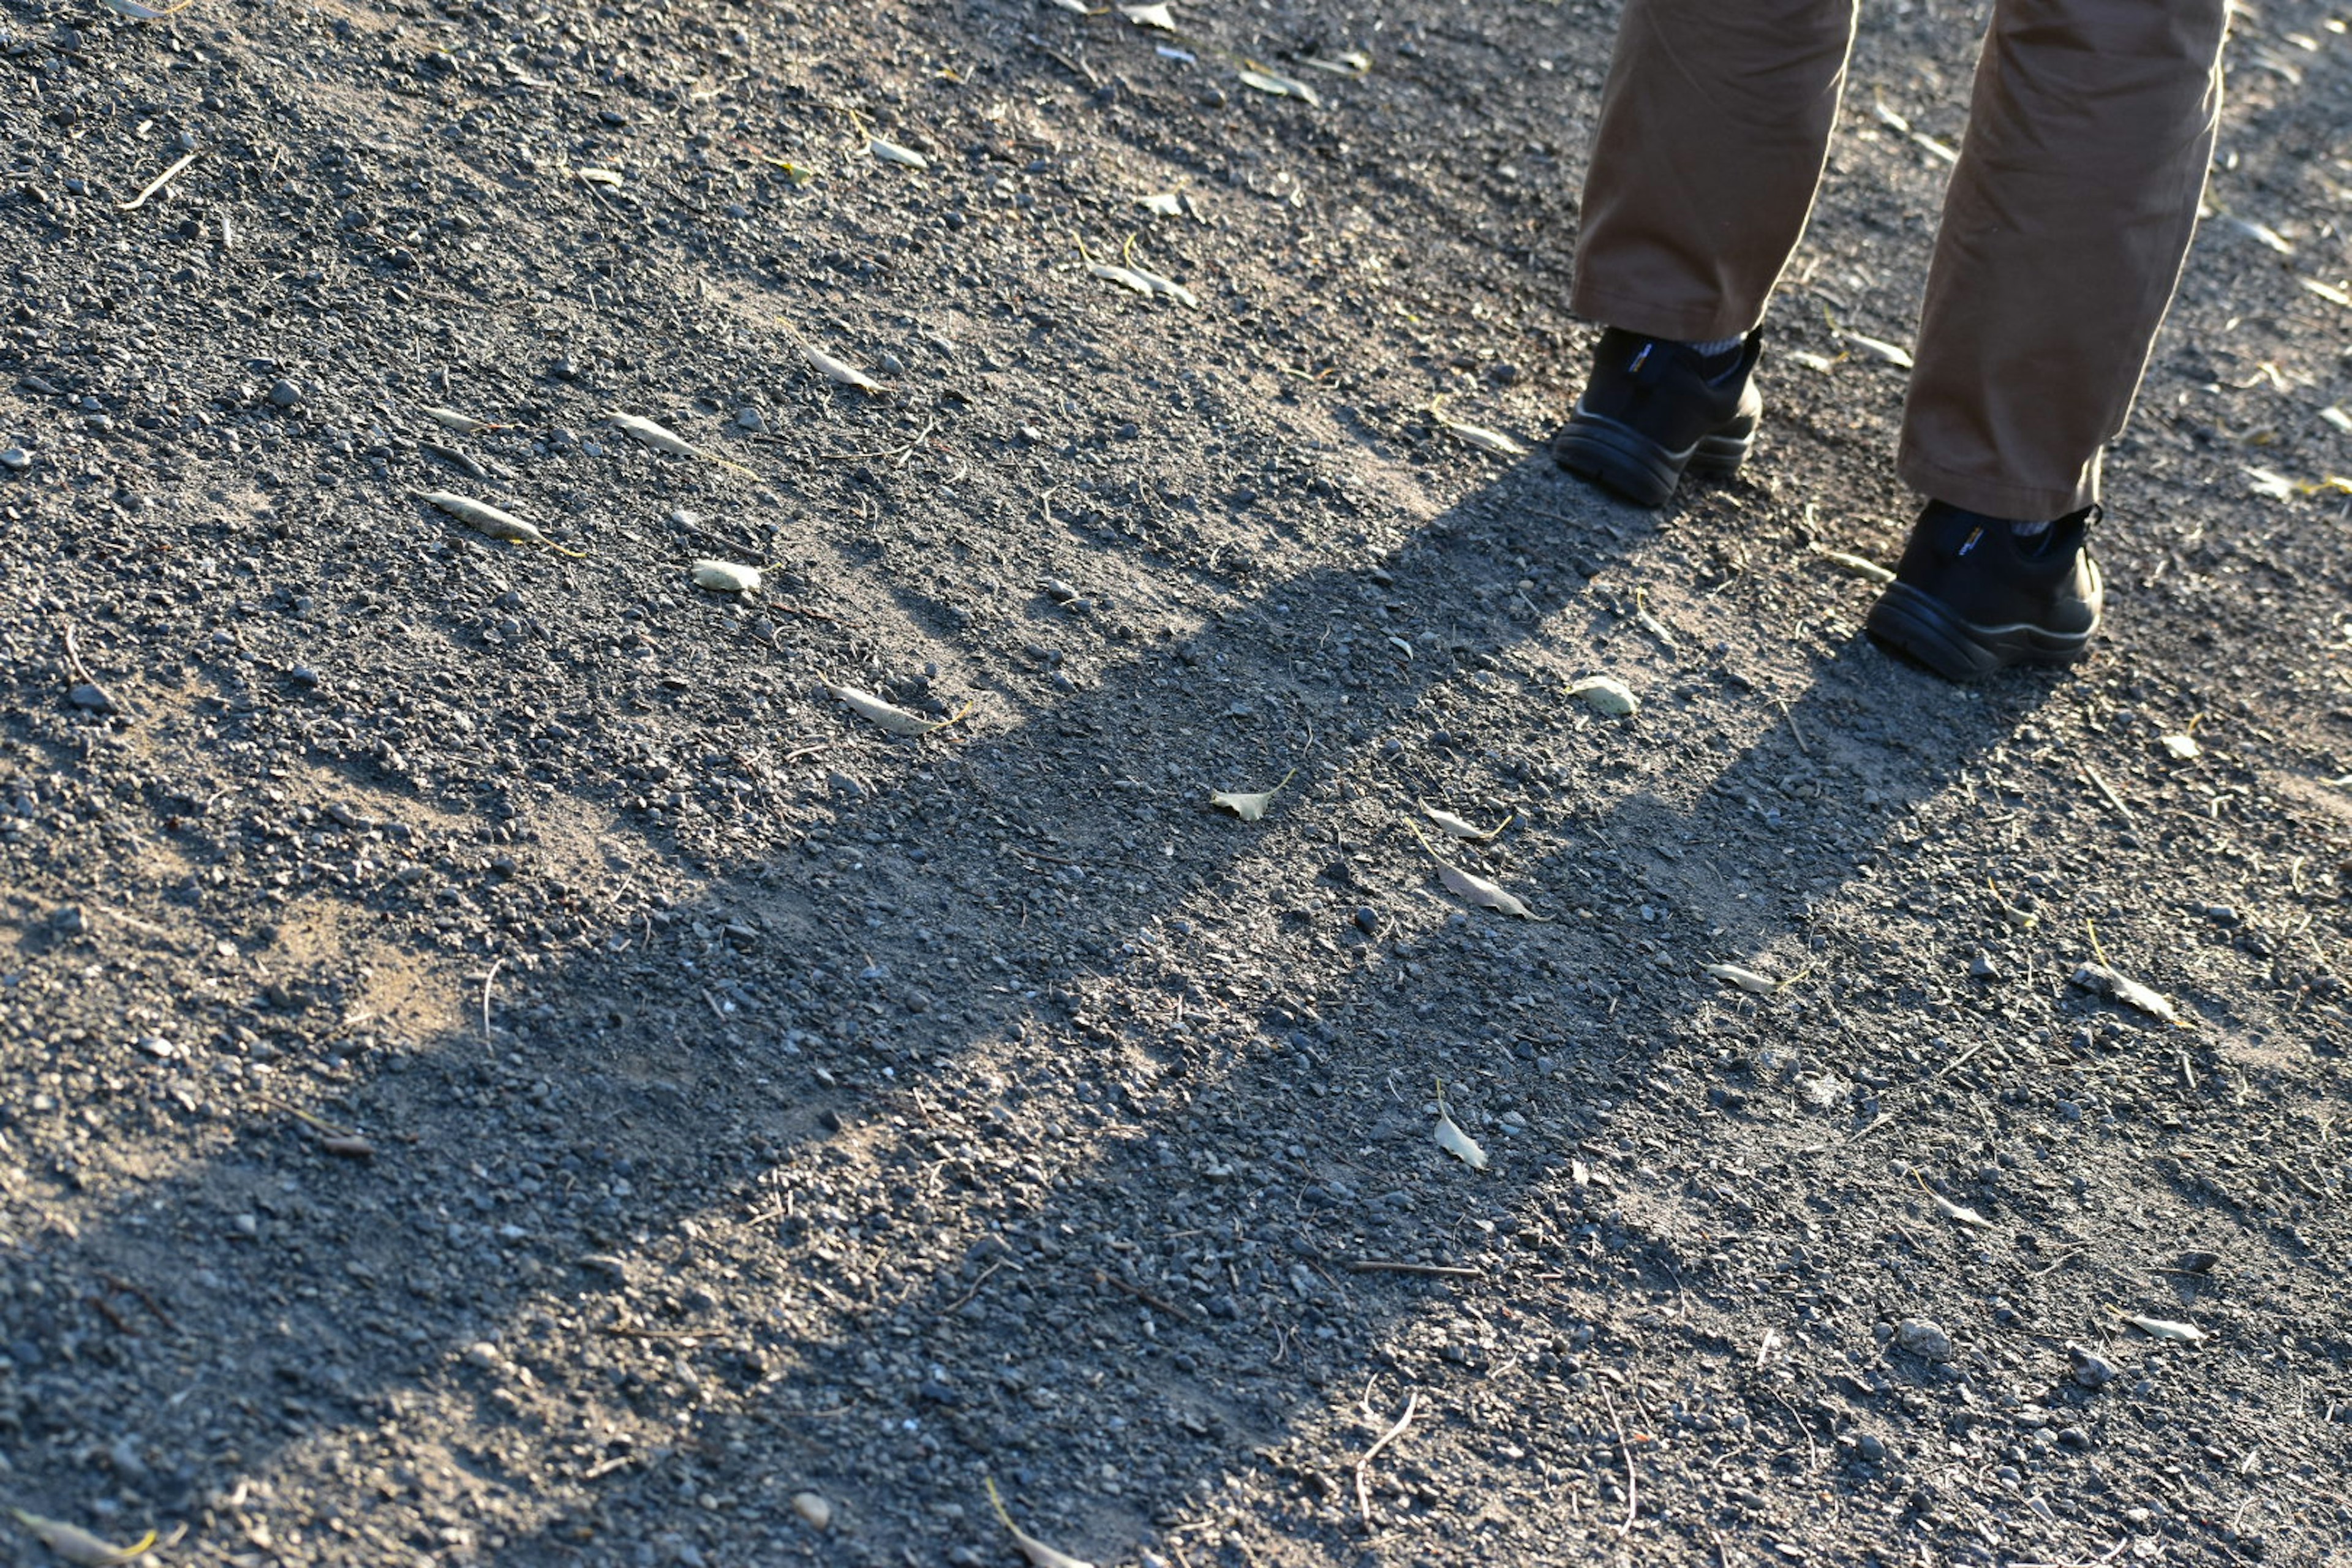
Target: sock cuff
<point>1718,346</point>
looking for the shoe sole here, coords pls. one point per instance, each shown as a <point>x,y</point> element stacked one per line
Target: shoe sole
<point>1623,460</point>
<point>1922,628</point>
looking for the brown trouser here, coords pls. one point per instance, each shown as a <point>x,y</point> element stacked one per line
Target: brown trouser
<point>2062,234</point>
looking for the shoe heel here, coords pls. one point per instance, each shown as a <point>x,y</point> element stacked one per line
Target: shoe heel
<point>1719,456</point>
<point>1617,460</point>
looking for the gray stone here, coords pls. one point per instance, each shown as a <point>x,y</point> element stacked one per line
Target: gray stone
<point>1924,1337</point>
<point>284,394</point>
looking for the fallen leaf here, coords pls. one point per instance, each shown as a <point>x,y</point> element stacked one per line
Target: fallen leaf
<point>843,373</point>
<point>464,424</point>
<point>890,716</point>
<point>1480,891</point>
<point>1168,286</point>
<point>1810,360</point>
<point>1459,827</point>
<point>1458,1143</point>
<point>1746,979</point>
<point>1959,1214</point>
<point>138,13</point>
<point>1166,203</point>
<point>1040,1555</point>
<point>601,177</point>
<point>2270,484</point>
<point>1868,570</point>
<point>1486,440</point>
<point>1879,348</point>
<point>2162,1328</point>
<point>2105,982</point>
<point>2336,416</point>
<point>1280,86</point>
<point>484,517</point>
<point>724,576</point>
<point>1121,276</point>
<point>1249,807</point>
<point>663,439</point>
<point>891,153</point>
<point>1605,694</point>
<point>77,1545</point>
<point>2327,291</point>
<point>1150,16</point>
<point>2179,747</point>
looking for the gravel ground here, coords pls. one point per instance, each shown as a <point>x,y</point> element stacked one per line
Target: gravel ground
<point>498,1063</point>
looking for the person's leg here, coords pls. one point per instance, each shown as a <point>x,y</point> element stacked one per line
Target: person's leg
<point>2063,233</point>
<point>1715,125</point>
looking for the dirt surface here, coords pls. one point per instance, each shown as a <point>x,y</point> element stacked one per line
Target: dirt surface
<point>499,1064</point>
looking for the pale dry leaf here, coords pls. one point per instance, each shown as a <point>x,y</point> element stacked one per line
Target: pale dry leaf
<point>464,424</point>
<point>485,519</point>
<point>2105,981</point>
<point>1879,348</point>
<point>1248,808</point>
<point>887,715</point>
<point>1040,1555</point>
<point>724,576</point>
<point>891,153</point>
<point>1746,979</point>
<point>1155,16</point>
<point>2181,748</point>
<point>1605,694</point>
<point>1478,890</point>
<point>1355,62</point>
<point>1279,85</point>
<point>2327,291</point>
<point>1958,1214</point>
<point>1166,203</point>
<point>602,177</point>
<point>2270,484</point>
<point>1486,440</point>
<point>1168,286</point>
<point>138,13</point>
<point>1123,277</point>
<point>2336,416</point>
<point>1867,570</point>
<point>1811,361</point>
<point>841,373</point>
<point>661,439</point>
<point>1458,1143</point>
<point>77,1545</point>
<point>1462,827</point>
<point>1075,7</point>
<point>2162,1328</point>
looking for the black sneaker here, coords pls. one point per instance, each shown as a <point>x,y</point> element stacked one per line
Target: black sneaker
<point>1653,409</point>
<point>1971,598</point>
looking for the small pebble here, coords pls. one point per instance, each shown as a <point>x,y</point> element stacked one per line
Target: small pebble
<point>91,696</point>
<point>1923,1338</point>
<point>2091,1370</point>
<point>16,460</point>
<point>812,1507</point>
<point>750,419</point>
<point>1981,968</point>
<point>284,394</point>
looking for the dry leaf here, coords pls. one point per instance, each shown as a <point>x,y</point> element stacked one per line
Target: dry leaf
<point>77,1545</point>
<point>1150,16</point>
<point>2270,484</point>
<point>1120,276</point>
<point>1868,570</point>
<point>464,424</point>
<point>1959,1214</point>
<point>891,153</point>
<point>484,517</point>
<point>1249,807</point>
<point>1165,203</point>
<point>1811,361</point>
<point>2179,747</point>
<point>2105,982</point>
<point>1746,979</point>
<point>1168,286</point>
<point>724,576</point>
<point>2327,291</point>
<point>2336,416</point>
<point>1075,7</point>
<point>1482,892</point>
<point>601,177</point>
<point>890,716</point>
<point>1040,1555</point>
<point>1604,694</point>
<point>1486,440</point>
<point>1879,348</point>
<point>1458,1143</point>
<point>846,375</point>
<point>138,13</point>
<point>2162,1328</point>
<point>1459,827</point>
<point>1280,86</point>
<point>663,439</point>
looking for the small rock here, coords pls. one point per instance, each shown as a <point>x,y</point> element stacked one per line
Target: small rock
<point>891,363</point>
<point>484,1354</point>
<point>284,394</point>
<point>304,675</point>
<point>2091,1370</point>
<point>812,1509</point>
<point>16,460</point>
<point>750,419</point>
<point>68,919</point>
<point>1981,968</point>
<point>2198,1262</point>
<point>1924,1337</point>
<point>91,696</point>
